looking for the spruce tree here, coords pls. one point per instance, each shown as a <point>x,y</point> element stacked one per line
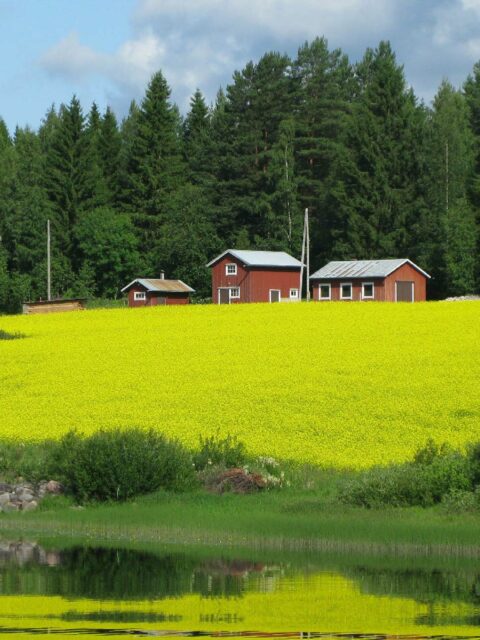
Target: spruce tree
<point>154,166</point>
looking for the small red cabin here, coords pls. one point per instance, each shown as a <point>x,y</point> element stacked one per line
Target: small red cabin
<point>148,292</point>
<point>382,280</point>
<point>255,276</point>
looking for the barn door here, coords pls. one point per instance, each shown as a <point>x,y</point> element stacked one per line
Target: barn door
<point>161,300</point>
<point>274,295</point>
<point>223,296</point>
<point>404,291</point>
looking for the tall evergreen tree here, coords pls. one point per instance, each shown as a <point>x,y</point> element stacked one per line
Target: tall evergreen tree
<point>451,153</point>
<point>375,190</point>
<point>324,89</point>
<point>109,150</point>
<point>154,167</point>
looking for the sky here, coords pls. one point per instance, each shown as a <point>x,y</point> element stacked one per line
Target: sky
<point>106,50</point>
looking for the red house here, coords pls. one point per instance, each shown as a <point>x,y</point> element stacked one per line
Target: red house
<point>397,280</point>
<point>254,276</point>
<point>148,292</point>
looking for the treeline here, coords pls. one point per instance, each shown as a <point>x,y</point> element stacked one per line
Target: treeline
<point>382,175</point>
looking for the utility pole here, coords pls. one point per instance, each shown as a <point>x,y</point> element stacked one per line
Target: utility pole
<point>49,265</point>
<point>305,256</point>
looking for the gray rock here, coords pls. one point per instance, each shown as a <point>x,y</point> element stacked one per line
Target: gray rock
<point>30,506</point>
<point>26,496</point>
<point>10,506</point>
<point>4,498</point>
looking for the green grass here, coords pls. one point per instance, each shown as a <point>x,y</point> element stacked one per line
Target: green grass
<point>295,520</point>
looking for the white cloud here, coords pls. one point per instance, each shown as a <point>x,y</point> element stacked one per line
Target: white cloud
<point>199,43</point>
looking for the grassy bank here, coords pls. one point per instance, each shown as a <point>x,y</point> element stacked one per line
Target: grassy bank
<point>290,520</point>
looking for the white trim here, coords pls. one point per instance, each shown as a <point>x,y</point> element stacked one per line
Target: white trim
<point>346,284</point>
<point>364,297</point>
<point>413,289</point>
<point>325,284</point>
<point>231,273</point>
<point>279,294</point>
<point>139,295</point>
<point>232,289</point>
<point>295,297</point>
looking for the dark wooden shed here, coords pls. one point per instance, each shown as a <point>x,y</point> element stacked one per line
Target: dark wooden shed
<point>255,276</point>
<point>396,280</point>
<point>150,292</point>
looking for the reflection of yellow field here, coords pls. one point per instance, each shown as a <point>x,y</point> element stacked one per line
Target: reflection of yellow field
<point>342,384</point>
<point>324,602</point>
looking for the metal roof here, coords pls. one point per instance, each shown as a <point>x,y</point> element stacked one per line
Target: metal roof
<point>160,285</point>
<point>260,258</point>
<point>352,269</point>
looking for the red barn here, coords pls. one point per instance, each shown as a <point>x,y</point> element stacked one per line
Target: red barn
<point>383,280</point>
<point>255,276</point>
<point>148,292</point>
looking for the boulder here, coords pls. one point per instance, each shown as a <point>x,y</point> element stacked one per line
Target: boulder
<point>53,486</point>
<point>30,506</point>
<point>4,498</point>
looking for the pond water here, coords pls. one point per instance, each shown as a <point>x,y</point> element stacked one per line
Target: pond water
<point>119,593</point>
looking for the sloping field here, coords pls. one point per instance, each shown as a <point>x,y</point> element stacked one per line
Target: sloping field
<point>339,384</point>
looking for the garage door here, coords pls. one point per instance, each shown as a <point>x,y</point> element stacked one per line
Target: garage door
<point>404,291</point>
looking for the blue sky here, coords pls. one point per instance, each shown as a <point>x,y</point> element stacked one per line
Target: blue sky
<point>106,50</point>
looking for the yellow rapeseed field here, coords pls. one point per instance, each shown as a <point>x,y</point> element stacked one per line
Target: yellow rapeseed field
<point>348,385</point>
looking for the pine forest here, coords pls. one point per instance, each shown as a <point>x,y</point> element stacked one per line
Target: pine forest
<point>382,174</point>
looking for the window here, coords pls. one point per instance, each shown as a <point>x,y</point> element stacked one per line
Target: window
<point>324,292</point>
<point>231,269</point>
<point>139,295</point>
<point>294,294</point>
<point>346,291</point>
<point>368,291</point>
<point>235,292</point>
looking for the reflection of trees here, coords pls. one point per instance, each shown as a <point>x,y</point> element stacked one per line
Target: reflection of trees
<point>100,573</point>
<point>423,585</point>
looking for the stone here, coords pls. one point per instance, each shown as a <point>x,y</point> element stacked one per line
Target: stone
<point>30,506</point>
<point>4,487</point>
<point>26,496</point>
<point>4,498</point>
<point>10,506</point>
<point>53,486</point>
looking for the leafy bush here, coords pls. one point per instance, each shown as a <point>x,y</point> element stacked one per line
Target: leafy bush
<point>434,473</point>
<point>458,501</point>
<point>474,457</point>
<point>119,464</point>
<point>214,451</point>
<point>25,459</point>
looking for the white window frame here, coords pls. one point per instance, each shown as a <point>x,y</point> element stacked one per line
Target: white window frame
<point>231,273</point>
<point>231,290</point>
<point>293,296</point>
<point>270,294</point>
<point>364,297</point>
<point>346,284</point>
<point>325,284</point>
<point>139,296</point>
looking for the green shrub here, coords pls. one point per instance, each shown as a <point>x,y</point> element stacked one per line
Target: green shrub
<point>474,457</point>
<point>434,473</point>
<point>119,464</point>
<point>458,501</point>
<point>214,451</point>
<point>24,459</point>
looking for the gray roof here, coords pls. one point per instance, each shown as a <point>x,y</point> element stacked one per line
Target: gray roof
<point>363,269</point>
<point>160,285</point>
<point>260,258</point>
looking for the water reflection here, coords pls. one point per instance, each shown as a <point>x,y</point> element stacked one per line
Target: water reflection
<point>102,591</point>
